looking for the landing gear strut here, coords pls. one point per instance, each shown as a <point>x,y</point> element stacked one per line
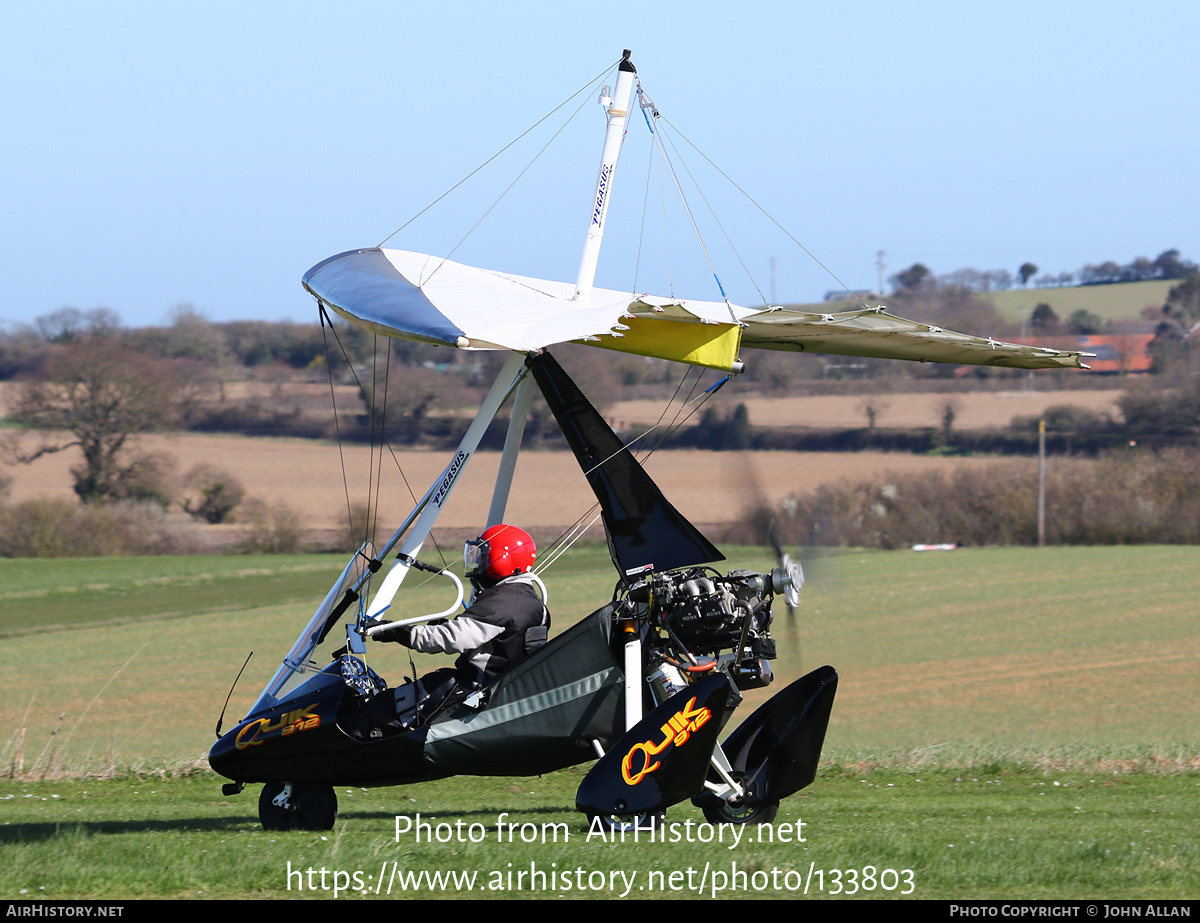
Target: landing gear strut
<point>738,812</point>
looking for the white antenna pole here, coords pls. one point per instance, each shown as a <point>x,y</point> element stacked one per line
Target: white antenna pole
<point>1041,509</point>
<point>617,106</point>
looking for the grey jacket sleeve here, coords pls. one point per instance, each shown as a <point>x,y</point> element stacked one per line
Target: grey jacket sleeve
<point>455,636</point>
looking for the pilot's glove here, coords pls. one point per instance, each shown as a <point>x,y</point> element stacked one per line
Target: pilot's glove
<point>399,634</point>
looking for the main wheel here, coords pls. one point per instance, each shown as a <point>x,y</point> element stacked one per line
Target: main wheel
<point>723,812</point>
<point>309,807</point>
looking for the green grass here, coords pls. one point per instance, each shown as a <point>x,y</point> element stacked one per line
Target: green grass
<point>1008,834</point>
<point>1111,302</point>
<point>37,594</point>
<point>995,647</point>
<point>1012,646</point>
<point>1009,723</point>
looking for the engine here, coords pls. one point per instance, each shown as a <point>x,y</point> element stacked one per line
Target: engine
<point>699,613</point>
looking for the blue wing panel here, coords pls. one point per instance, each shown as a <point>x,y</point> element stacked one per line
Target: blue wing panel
<point>363,285</point>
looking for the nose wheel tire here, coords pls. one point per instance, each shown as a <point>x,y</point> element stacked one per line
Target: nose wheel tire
<point>308,807</point>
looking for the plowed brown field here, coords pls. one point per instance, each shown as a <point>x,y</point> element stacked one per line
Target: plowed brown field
<point>548,490</point>
<point>973,410</point>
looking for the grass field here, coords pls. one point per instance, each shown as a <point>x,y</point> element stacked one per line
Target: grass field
<point>1009,723</point>
<point>1003,647</point>
<point>1003,833</point>
<point>1112,302</point>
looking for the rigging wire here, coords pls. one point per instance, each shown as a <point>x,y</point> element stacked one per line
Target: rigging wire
<point>647,106</point>
<point>506,191</point>
<point>675,421</point>
<point>651,115</point>
<point>728,239</point>
<point>637,266</point>
<point>337,428</point>
<point>373,516</point>
<point>576,530</point>
<point>688,211</point>
<point>561,545</point>
<point>371,490</point>
<point>671,428</point>
<point>558,547</point>
<point>662,202</point>
<point>385,443</point>
<point>586,86</point>
<point>768,215</point>
<point>565,540</point>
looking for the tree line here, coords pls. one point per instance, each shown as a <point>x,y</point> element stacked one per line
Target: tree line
<point>1168,265</point>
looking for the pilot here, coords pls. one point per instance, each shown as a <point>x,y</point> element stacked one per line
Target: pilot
<point>504,624</point>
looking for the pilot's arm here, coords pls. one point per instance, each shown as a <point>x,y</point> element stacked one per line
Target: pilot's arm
<point>451,636</point>
<point>443,636</point>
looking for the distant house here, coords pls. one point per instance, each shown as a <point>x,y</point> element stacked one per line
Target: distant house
<point>1115,352</point>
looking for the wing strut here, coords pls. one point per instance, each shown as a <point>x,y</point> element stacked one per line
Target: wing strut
<point>425,515</point>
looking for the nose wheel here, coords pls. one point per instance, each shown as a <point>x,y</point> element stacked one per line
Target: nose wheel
<point>288,806</point>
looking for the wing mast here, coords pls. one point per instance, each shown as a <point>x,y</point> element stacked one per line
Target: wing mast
<point>617,107</point>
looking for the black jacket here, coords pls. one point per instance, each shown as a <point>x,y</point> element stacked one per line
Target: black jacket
<point>502,627</point>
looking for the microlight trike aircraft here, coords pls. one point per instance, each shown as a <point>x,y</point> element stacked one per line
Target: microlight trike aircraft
<point>645,685</point>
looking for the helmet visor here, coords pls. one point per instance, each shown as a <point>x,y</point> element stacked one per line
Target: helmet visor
<point>475,556</point>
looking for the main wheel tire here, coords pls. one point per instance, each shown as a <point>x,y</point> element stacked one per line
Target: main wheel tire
<point>310,807</point>
<point>725,813</point>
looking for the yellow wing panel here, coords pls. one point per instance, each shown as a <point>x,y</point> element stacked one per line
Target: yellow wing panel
<point>712,345</point>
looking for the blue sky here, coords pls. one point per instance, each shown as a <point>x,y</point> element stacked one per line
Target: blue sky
<point>159,154</point>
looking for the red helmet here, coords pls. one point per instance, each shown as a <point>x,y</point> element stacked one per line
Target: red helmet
<point>500,552</point>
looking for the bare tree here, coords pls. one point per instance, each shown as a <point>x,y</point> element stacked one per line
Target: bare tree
<point>101,395</point>
<point>70,325</point>
<point>873,406</point>
<point>949,410</point>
